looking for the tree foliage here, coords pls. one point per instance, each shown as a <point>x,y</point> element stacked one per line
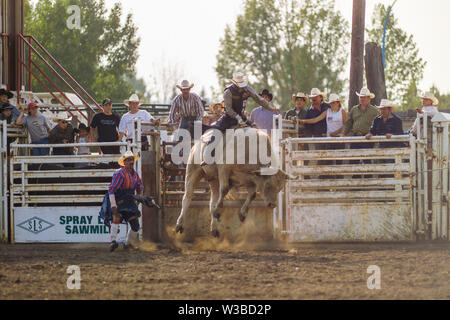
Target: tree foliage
<point>286,46</point>
<point>101,55</point>
<point>404,66</point>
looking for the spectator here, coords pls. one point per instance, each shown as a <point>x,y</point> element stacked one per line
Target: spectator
<point>6,114</point>
<point>4,100</point>
<point>217,110</point>
<point>429,104</point>
<point>262,117</point>
<point>387,124</point>
<point>186,108</point>
<point>335,117</point>
<point>107,124</point>
<point>63,133</point>
<point>318,106</point>
<point>83,137</point>
<point>38,127</point>
<point>126,125</point>
<point>300,100</point>
<point>360,118</point>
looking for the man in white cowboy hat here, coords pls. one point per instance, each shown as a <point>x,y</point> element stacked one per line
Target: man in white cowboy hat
<point>429,104</point>
<point>360,118</point>
<point>124,185</point>
<point>63,133</point>
<point>234,98</point>
<point>386,124</point>
<point>126,125</point>
<point>318,106</point>
<point>186,108</point>
<point>300,100</point>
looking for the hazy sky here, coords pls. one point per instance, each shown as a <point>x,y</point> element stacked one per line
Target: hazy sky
<point>188,33</point>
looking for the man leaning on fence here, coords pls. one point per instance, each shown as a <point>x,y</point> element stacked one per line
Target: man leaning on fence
<point>387,124</point>
<point>107,124</point>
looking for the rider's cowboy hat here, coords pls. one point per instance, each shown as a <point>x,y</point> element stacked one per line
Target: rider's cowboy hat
<point>430,96</point>
<point>185,85</point>
<point>128,154</point>
<point>385,103</point>
<point>335,98</point>
<point>134,98</point>
<point>365,92</point>
<point>316,92</point>
<point>63,116</point>
<point>240,80</point>
<point>5,92</point>
<point>299,95</point>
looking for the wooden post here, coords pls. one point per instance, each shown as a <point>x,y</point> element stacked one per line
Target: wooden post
<point>375,72</point>
<point>151,217</point>
<point>357,52</point>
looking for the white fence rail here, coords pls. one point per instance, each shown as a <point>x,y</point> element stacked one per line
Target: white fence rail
<point>354,194</point>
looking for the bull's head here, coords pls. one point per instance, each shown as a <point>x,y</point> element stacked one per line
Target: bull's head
<point>270,186</point>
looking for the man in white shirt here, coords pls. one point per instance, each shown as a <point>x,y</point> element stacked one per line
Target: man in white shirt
<point>429,104</point>
<point>126,125</point>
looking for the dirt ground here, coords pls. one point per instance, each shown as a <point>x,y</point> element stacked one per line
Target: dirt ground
<point>210,269</point>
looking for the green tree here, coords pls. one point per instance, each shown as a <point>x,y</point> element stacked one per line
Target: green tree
<point>286,46</point>
<point>101,55</point>
<point>404,67</point>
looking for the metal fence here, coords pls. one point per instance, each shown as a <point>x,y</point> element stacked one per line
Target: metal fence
<point>347,191</point>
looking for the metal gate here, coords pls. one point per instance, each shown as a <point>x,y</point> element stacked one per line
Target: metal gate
<point>349,194</point>
<point>3,182</point>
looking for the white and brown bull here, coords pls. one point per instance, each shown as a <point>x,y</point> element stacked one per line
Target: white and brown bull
<point>223,177</point>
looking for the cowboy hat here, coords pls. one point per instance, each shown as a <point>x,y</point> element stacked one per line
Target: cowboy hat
<point>212,106</point>
<point>128,154</point>
<point>365,92</point>
<point>316,92</point>
<point>335,98</point>
<point>385,103</point>
<point>185,85</point>
<point>4,92</point>
<point>6,106</point>
<point>299,95</point>
<point>134,98</point>
<point>61,117</point>
<point>430,96</point>
<point>240,80</point>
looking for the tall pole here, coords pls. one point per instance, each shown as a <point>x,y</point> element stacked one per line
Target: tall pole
<point>357,53</point>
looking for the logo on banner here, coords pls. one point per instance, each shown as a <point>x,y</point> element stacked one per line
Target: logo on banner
<point>35,225</point>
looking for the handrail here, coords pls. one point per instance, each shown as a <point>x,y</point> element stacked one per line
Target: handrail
<point>374,139</point>
<point>64,71</point>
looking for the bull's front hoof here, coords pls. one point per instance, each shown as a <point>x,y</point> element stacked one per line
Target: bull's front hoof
<point>242,217</point>
<point>179,229</point>
<point>215,233</point>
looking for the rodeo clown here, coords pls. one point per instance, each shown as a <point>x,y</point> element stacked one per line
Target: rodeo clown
<point>122,197</point>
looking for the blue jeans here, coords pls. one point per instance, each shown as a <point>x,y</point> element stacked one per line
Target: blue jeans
<point>41,151</point>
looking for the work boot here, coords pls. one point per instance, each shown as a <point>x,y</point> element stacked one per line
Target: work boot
<point>113,246</point>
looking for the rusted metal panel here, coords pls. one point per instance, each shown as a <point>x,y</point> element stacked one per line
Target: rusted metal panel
<point>349,154</point>
<point>350,222</point>
<point>352,169</point>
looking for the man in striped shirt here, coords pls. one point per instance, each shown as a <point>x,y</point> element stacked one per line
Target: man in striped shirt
<point>125,183</point>
<point>186,108</point>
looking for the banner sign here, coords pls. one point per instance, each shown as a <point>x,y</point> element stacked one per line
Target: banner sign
<point>62,224</point>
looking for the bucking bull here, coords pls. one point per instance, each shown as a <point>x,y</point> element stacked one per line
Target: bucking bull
<point>223,177</point>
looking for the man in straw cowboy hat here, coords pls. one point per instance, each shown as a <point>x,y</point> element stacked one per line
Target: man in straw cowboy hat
<point>386,124</point>
<point>234,97</point>
<point>186,108</point>
<point>126,125</point>
<point>63,133</point>
<point>300,100</point>
<point>429,104</point>
<point>124,186</point>
<point>318,106</point>
<point>360,118</point>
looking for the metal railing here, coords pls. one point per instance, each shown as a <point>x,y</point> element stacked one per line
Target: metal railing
<point>30,50</point>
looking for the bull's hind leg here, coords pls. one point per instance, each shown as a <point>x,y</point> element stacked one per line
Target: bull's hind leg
<point>193,177</point>
<point>214,184</point>
<point>224,186</point>
<point>250,197</point>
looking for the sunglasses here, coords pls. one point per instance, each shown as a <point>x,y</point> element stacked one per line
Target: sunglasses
<point>64,122</point>
<point>129,160</point>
